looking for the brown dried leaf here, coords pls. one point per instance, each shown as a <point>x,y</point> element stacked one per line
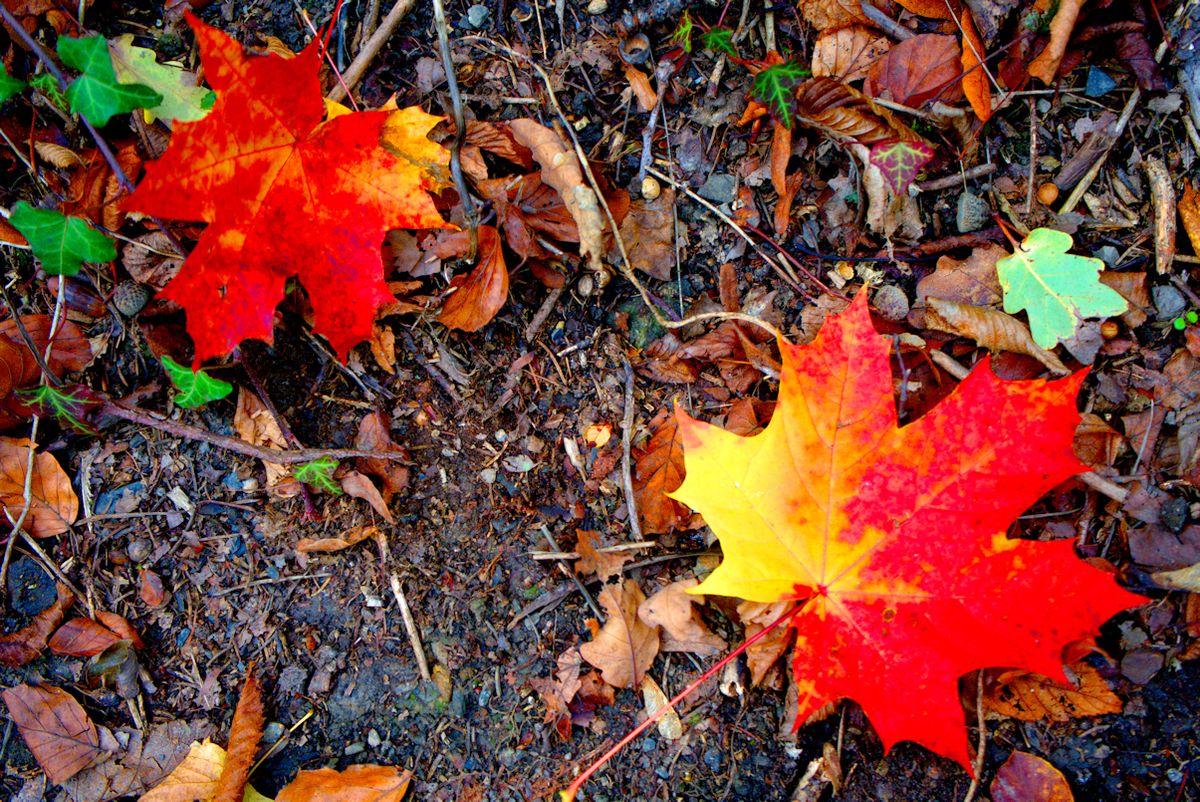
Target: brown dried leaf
<point>592,561</point>
<point>144,762</point>
<point>151,589</point>
<point>383,347</point>
<point>498,139</point>
<point>374,435</point>
<point>121,627</point>
<point>846,54</point>
<point>827,14</point>
<point>993,330</point>
<point>82,637</point>
<point>1180,384</point>
<point>674,609</point>
<point>53,504</point>
<point>59,156</point>
<point>625,647</point>
<point>244,735</point>
<point>1096,443</point>
<point>917,71</point>
<point>479,295</point>
<point>194,778</point>
<point>24,645</point>
<point>561,170</point>
<point>975,83</point>
<point>649,234</point>
<point>19,370</point>
<point>972,281</point>
<point>1189,212</point>
<point>846,115</point>
<point>755,617</point>
<point>558,691</point>
<point>934,9</point>
<point>367,783</point>
<point>657,472</point>
<point>1132,287</point>
<point>256,425</point>
<point>95,193</point>
<point>1029,778</point>
<point>1031,697</point>
<point>359,486</point>
<point>352,536</point>
<point>639,82</point>
<point>1045,66</point>
<point>56,729</point>
<point>150,259</point>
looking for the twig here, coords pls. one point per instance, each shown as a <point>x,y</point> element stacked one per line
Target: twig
<point>276,581</point>
<point>24,332</point>
<point>410,626</point>
<point>981,748</point>
<point>370,50</point>
<point>635,525</point>
<point>189,432</point>
<point>543,313</point>
<point>949,181</point>
<point>470,211</point>
<point>889,25</point>
<point>570,572</point>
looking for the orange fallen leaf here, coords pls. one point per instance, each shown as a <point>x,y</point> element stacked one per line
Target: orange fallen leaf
<point>53,504</point>
<point>895,538</point>
<point>56,729</point>
<point>356,784</point>
<point>625,647</point>
<point>24,645</point>
<point>479,295</point>
<point>352,536</point>
<point>975,82</point>
<point>244,734</point>
<point>83,637</point>
<point>1045,66</point>
<point>917,71</point>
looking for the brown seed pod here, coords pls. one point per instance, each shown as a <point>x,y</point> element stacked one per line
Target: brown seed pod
<point>1047,193</point>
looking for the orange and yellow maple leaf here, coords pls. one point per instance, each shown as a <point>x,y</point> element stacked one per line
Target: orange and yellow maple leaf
<point>896,536</point>
<point>286,194</point>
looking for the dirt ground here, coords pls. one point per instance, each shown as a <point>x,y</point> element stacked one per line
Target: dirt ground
<point>483,417</point>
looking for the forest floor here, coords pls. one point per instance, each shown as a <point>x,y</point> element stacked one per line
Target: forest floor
<point>515,434</point>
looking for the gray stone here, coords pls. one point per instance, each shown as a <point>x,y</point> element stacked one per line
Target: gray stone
<point>477,17</point>
<point>1168,301</point>
<point>272,732</point>
<point>719,188</point>
<point>891,302</point>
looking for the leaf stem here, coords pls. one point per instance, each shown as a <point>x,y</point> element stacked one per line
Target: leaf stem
<point>573,789</point>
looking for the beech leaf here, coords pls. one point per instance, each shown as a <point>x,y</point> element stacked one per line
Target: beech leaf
<point>196,388</point>
<point>285,194</point>
<point>61,243</point>
<point>895,538</point>
<point>55,727</point>
<point>1055,288</point>
<point>53,503</point>
<point>98,94</point>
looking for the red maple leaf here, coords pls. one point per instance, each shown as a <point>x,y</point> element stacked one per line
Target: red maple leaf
<point>285,194</point>
<point>895,537</point>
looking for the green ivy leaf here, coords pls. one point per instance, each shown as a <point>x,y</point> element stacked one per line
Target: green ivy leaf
<point>9,85</point>
<point>47,84</point>
<point>682,36</point>
<point>720,40</point>
<point>196,388</point>
<point>319,474</point>
<point>97,94</point>
<point>1056,289</point>
<point>182,99</point>
<point>775,88</point>
<point>59,242</point>
<point>899,161</point>
<point>70,404</point>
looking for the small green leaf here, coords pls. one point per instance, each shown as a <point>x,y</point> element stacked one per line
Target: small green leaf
<point>47,84</point>
<point>69,405</point>
<point>775,88</point>
<point>182,99</point>
<point>319,474</point>
<point>59,242</point>
<point>97,94</point>
<point>196,388</point>
<point>720,40</point>
<point>9,85</point>
<point>899,161</point>
<point>1056,289</point>
<point>683,32</point>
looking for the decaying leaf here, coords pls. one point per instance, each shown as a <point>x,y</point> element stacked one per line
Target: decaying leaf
<point>56,729</point>
<point>558,691</point>
<point>196,778</point>
<point>24,645</point>
<point>478,296</point>
<point>917,71</point>
<point>894,538</point>
<point>975,83</point>
<point>53,505</point>
<point>971,281</point>
<point>374,435</point>
<point>653,698</point>
<point>649,234</point>
<point>1028,696</point>
<point>990,328</point>
<point>846,115</point>
<point>1029,778</point>
<point>625,647</point>
<point>285,194</point>
<point>366,783</point>
<point>594,559</point>
<point>674,610</point>
<point>1045,66</point>
<point>255,424</point>
<point>658,472</point>
<point>359,486</point>
<point>85,637</point>
<point>755,617</point>
<point>846,54</point>
<point>352,536</point>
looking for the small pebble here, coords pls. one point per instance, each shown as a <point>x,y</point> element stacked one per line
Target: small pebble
<point>597,7</point>
<point>272,732</point>
<point>354,748</point>
<point>1168,301</point>
<point>650,188</point>
<point>891,302</point>
<point>477,17</point>
<point>138,550</point>
<point>373,739</point>
<point>719,188</point>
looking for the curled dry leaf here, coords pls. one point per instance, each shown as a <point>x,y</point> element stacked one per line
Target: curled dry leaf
<point>755,617</point>
<point>625,647</point>
<point>1028,696</point>
<point>244,735</point>
<point>971,281</point>
<point>993,330</point>
<point>653,699</point>
<point>657,472</point>
<point>917,71</point>
<point>374,435</point>
<point>24,645</point>
<point>846,115</point>
<point>352,536</point>
<point>53,504</point>
<point>674,610</point>
<point>1028,778</point>
<point>359,486</point>
<point>593,560</point>
<point>355,784</point>
<point>56,729</point>
<point>479,295</point>
<point>1045,66</point>
<point>561,170</point>
<point>558,691</point>
<point>825,15</point>
<point>846,54</point>
<point>649,234</point>
<point>151,589</point>
<point>256,425</point>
